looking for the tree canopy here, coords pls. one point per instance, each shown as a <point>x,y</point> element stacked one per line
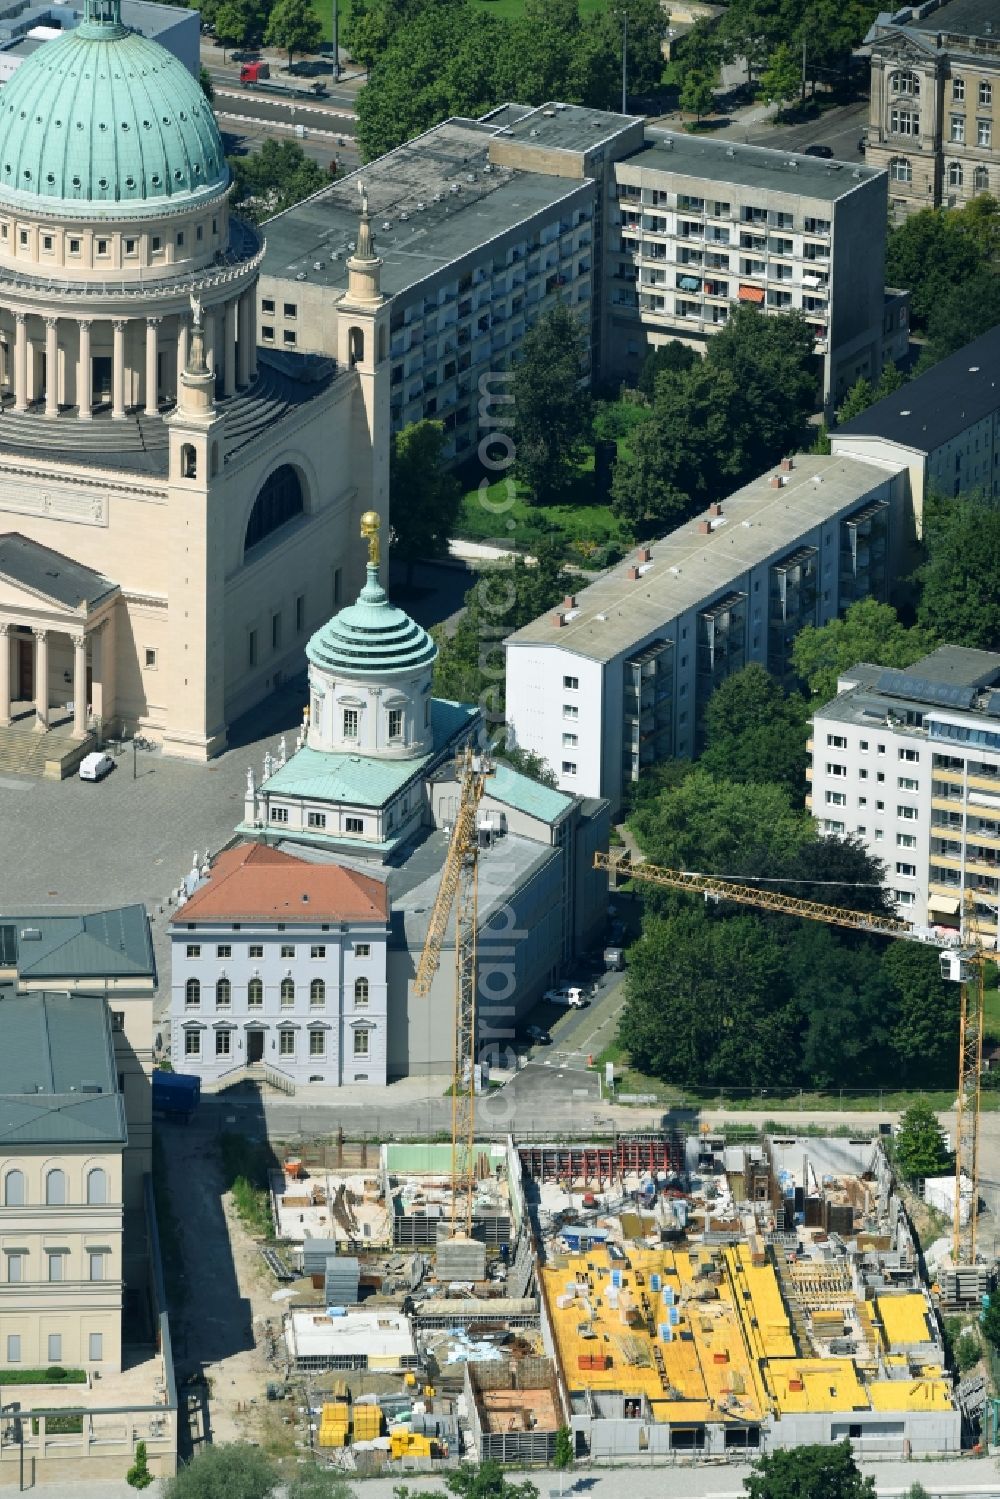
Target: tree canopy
<point>553,412</point>
<point>809,1472</point>
<point>294,26</point>
<point>753,732</point>
<point>425,493</point>
<point>720,421</point>
<point>272,179</point>
<point>919,1148</point>
<point>959,600</point>
<point>939,253</point>
<point>869,631</point>
<point>231,1471</point>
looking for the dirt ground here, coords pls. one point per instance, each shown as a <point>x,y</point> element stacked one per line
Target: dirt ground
<point>220,1329</point>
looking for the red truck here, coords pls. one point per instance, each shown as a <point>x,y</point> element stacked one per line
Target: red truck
<point>254,72</point>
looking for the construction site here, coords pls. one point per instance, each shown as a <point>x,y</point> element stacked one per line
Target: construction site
<point>671,1297</point>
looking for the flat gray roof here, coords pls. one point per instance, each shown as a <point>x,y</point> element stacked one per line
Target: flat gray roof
<point>57,1071</point>
<point>748,166</point>
<point>561,127</point>
<point>688,568</point>
<point>104,944</point>
<point>440,195</point>
<point>979,18</point>
<point>952,679</point>
<point>957,666</point>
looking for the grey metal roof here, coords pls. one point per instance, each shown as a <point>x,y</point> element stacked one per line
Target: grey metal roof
<point>958,666</point>
<point>51,574</point>
<point>58,1081</point>
<point>688,568</point>
<point>560,127</point>
<point>932,409</point>
<point>411,189</point>
<point>758,167</point>
<point>103,944</point>
<point>979,18</point>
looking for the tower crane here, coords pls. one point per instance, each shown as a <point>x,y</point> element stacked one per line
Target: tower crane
<point>962,962</point>
<point>459,891</point>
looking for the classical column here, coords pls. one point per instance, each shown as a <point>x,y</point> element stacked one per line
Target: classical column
<point>182,350</point>
<point>118,372</point>
<point>152,394</point>
<point>209,322</point>
<point>51,366</point>
<point>21,362</point>
<point>243,345</point>
<point>4,674</point>
<point>84,375</point>
<point>41,679</point>
<point>229,349</point>
<point>79,686</point>
<point>252,332</point>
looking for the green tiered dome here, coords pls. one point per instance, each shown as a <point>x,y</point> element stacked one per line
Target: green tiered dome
<point>103,118</point>
<point>371,638</point>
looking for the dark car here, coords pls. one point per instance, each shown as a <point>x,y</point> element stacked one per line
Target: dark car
<point>540,1037</point>
<point>824,151</point>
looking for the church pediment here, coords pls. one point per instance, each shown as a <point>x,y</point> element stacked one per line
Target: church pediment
<point>15,598</point>
<point>33,577</point>
<point>903,46</point>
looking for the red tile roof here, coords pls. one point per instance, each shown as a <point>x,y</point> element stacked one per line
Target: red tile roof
<point>258,883</point>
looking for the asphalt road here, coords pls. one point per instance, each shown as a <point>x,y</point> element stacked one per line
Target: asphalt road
<point>839,128</point>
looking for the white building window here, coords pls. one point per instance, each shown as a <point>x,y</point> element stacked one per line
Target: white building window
<point>395,723</point>
<point>224,950</point>
<point>986,93</point>
<point>900,169</point>
<point>836,798</point>
<point>836,741</point>
<point>13,1189</point>
<point>361,992</point>
<point>55,1188</point>
<point>17,1259</point>
<point>362,949</point>
<point>570,741</point>
<point>571,684</point>
<point>317,1043</point>
<point>317,950</point>
<point>906,840</point>
<point>350,723</point>
<point>192,1043</point>
<point>907,783</point>
<point>905,898</point>
<point>192,993</point>
<point>354,825</point>
<point>54,1347</point>
<point>958,89</point>
<point>317,994</point>
<point>908,871</point>
<point>904,82</point>
<point>360,1043</point>
<point>255,950</point>
<point>984,133</point>
<point>279,814</point>
<point>956,174</point>
<point>570,710</point>
<point>255,994</point>
<point>904,121</point>
<point>836,770</point>
<point>13,1348</point>
<point>97,1186</point>
<point>223,994</point>
<point>957,133</point>
<point>287,993</point>
<point>55,1257</point>
<point>95,1347</point>
<point>911,756</point>
<point>569,767</point>
<point>194,949</point>
<point>223,1043</point>
<point>908,814</point>
<point>97,1264</point>
<point>286,1043</point>
<point>315,819</point>
<point>981,180</point>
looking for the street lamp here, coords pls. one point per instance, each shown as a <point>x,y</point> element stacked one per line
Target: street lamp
<point>335,38</point>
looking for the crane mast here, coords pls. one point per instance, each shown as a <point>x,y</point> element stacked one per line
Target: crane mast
<point>459,892</point>
<point>964,963</point>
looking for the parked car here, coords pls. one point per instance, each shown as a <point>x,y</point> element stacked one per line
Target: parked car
<point>824,151</point>
<point>540,1037</point>
<point>96,765</point>
<point>566,994</point>
<point>863,144</point>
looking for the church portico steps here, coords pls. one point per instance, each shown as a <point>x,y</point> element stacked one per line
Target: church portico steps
<point>54,754</point>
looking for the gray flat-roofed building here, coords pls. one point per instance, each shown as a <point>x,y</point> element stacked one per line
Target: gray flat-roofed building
<point>483,224</point>
<point>25,28</point>
<point>619,676</point>
<point>944,426</point>
<point>701,224</point>
<point>909,762</point>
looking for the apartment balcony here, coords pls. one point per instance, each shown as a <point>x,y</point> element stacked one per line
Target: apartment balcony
<point>808,800</point>
<point>975,782</point>
<point>809,745</point>
<point>809,773</point>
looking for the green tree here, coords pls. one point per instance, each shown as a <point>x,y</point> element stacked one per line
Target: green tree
<point>207,86</point>
<point>697,94</point>
<point>772,364</point>
<point>968,1350</point>
<point>961,313</point>
<point>553,412</point>
<point>753,732</point>
<point>233,1471</point>
<point>425,494</point>
<point>821,444</point>
<point>294,26</point>
<point>919,1148</point>
<point>706,1003</point>
<point>139,1475</point>
<point>938,249</point>
<point>273,178</point>
<point>527,763</point>
<point>647,30</point>
<point>318,1483</point>
<point>487,1481</point>
<point>890,380</point>
<point>858,399</point>
<point>809,1472</point>
<point>562,1457</point>
<point>923,1033</point>
<point>754,29</point>
<point>781,80</point>
<point>721,827</point>
<point>667,359</point>
<point>959,600</point>
<point>232,24</point>
<point>869,631</point>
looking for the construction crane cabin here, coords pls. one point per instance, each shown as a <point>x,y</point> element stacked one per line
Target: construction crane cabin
<point>963,961</point>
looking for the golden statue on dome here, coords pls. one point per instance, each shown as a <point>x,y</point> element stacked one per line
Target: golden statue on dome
<point>371,523</point>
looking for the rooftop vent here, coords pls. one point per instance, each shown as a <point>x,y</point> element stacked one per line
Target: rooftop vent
<point>787,464</point>
<point>420,207</point>
<point>705,527</point>
<point>301,276</point>
<point>532,131</point>
<point>558,620</point>
<point>905,411</point>
<point>549,114</point>
<point>318,265</point>
<point>404,216</point>
<point>973,369</point>
<point>387,224</point>
<point>633,575</point>
<point>487,168</point>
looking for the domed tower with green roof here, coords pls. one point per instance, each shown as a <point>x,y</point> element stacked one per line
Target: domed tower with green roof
<point>370,674</point>
<point>114,215</point>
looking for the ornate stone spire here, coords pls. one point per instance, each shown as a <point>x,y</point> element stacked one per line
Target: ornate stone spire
<point>364,266</point>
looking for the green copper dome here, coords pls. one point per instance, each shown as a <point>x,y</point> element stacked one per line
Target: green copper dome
<point>102,119</point>
<point>371,638</point>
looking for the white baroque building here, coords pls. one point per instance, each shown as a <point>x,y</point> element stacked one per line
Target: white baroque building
<point>173,521</point>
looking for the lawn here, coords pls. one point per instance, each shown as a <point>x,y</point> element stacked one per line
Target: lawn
<point>991,1013</point>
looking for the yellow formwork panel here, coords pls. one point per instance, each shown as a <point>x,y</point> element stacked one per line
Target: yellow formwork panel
<point>903,1319</point>
<point>910,1395</point>
<point>818,1384</point>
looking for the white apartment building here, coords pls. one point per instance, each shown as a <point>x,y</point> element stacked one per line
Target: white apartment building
<point>702,224</point>
<point>279,964</point>
<point>619,676</point>
<point>909,762</point>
